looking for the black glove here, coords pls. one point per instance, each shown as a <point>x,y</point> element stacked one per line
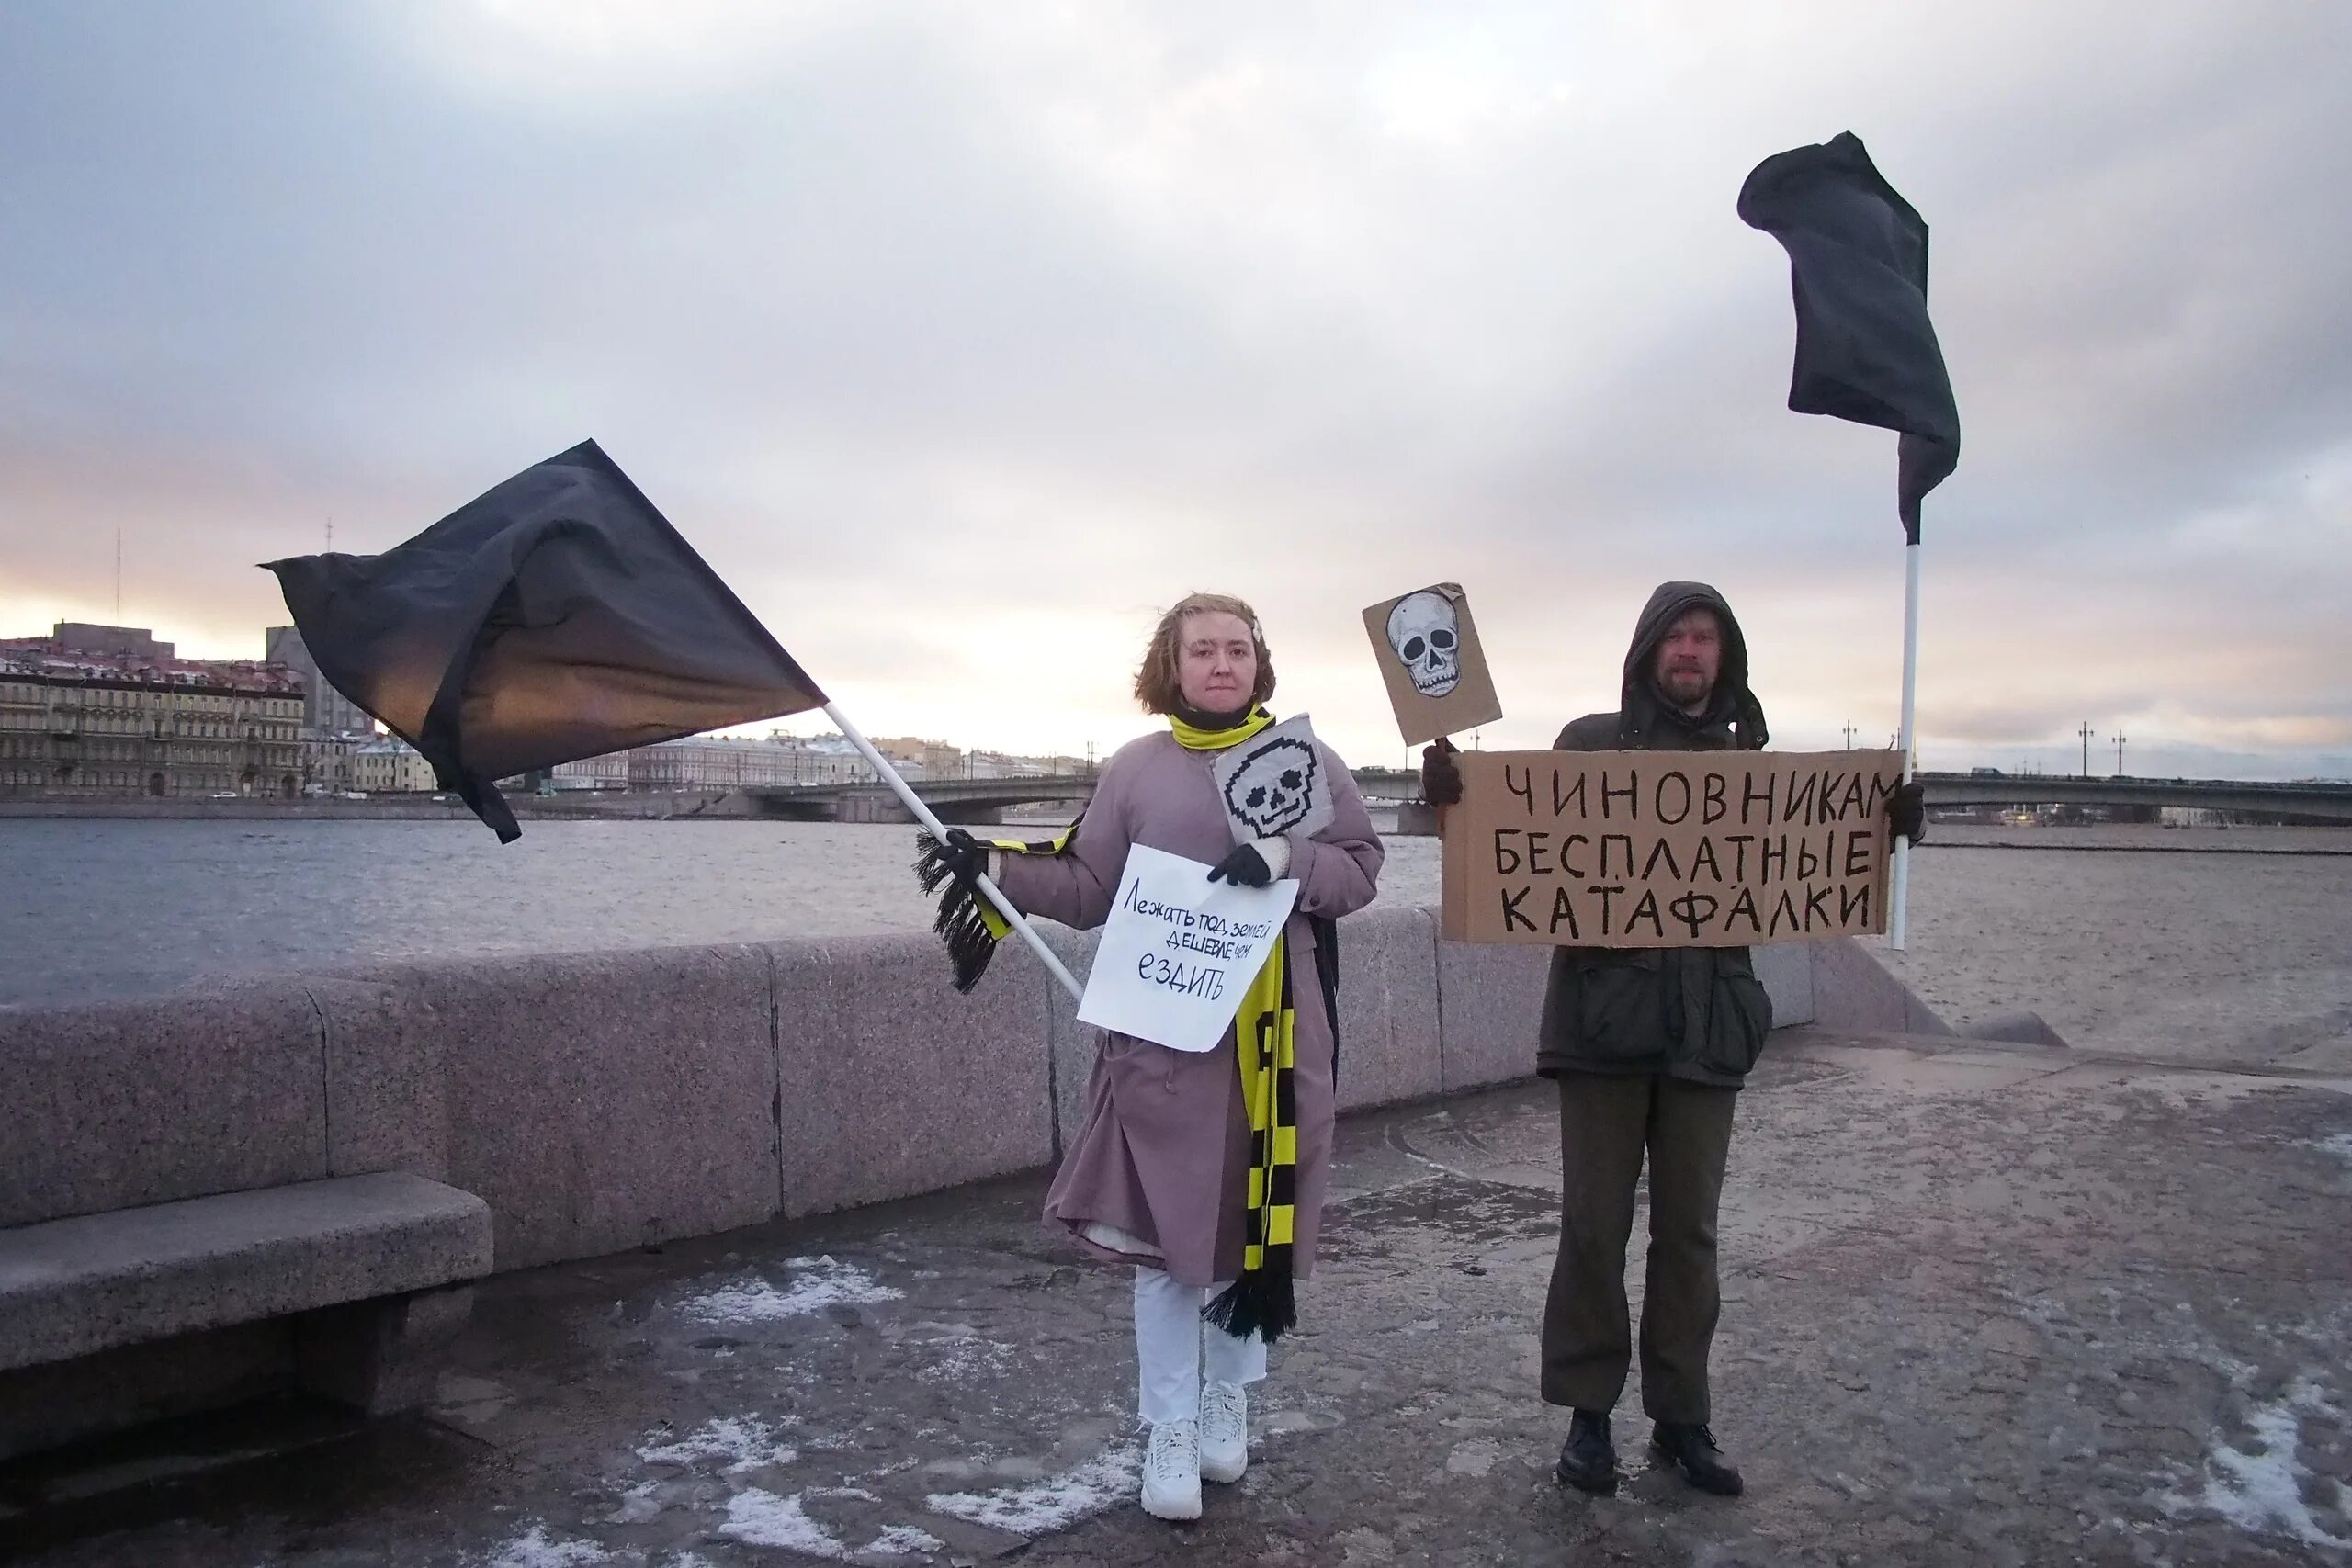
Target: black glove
<point>1441,780</point>
<point>1906,811</point>
<point>959,855</point>
<point>1245,867</point>
<point>966,856</point>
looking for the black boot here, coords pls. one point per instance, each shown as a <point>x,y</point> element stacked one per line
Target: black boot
<point>1692,1447</point>
<point>1587,1461</point>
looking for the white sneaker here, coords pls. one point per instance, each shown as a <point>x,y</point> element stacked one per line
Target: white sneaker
<point>1225,1432</point>
<point>1171,1472</point>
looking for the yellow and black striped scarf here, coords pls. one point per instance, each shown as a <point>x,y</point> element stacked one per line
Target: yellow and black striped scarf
<point>1261,1301</point>
<point>1265,1038</point>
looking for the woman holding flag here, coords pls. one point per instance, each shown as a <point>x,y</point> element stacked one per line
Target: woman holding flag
<point>1203,1171</point>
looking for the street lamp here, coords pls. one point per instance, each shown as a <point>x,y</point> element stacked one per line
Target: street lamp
<point>2119,753</point>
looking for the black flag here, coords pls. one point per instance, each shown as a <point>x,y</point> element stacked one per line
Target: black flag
<point>1858,261</point>
<point>555,616</point>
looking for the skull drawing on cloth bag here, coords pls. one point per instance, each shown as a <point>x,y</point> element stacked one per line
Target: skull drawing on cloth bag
<point>1274,783</point>
<point>1274,788</point>
<point>1424,631</point>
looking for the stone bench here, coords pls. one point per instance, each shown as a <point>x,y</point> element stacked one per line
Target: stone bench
<point>370,1273</point>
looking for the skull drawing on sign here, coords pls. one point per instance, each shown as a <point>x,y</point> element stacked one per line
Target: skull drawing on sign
<point>1423,631</point>
<point>1272,789</point>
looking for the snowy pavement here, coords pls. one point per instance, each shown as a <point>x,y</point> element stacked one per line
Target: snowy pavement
<point>1982,1306</point>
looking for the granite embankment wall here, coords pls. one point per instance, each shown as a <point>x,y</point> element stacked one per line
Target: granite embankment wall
<point>602,1100</point>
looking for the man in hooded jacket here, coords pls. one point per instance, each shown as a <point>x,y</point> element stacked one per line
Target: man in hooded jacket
<point>1649,1046</point>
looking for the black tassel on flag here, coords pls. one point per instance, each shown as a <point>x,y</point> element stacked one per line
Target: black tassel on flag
<point>1858,263</point>
<point>962,923</point>
<point>557,616</point>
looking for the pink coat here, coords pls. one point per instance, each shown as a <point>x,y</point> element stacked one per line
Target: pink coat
<point>1163,1153</point>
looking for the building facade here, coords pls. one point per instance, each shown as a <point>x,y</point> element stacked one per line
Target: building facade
<point>717,762</point>
<point>330,760</point>
<point>109,711</point>
<point>390,766</point>
<point>609,771</point>
<point>917,757</point>
<point>324,709</point>
<point>1004,765</point>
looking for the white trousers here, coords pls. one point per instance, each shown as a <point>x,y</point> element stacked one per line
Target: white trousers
<point>1175,1347</point>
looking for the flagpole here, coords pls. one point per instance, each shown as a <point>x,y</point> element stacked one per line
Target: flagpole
<point>1899,896</point>
<point>922,814</point>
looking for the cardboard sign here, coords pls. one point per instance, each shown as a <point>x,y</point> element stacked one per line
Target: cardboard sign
<point>1428,654</point>
<point>1179,951</point>
<point>1668,849</point>
<point>1275,783</point>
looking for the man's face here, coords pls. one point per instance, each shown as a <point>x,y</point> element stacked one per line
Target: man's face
<point>1689,659</point>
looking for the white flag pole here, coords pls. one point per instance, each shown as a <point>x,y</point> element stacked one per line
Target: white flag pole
<point>922,814</point>
<point>1898,906</point>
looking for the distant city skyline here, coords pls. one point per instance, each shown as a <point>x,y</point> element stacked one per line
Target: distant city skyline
<point>2161,759</point>
<point>960,341</point>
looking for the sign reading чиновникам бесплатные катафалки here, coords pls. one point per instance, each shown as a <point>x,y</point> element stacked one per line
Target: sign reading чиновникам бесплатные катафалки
<point>1668,849</point>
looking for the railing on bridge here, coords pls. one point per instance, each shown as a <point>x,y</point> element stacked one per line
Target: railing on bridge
<point>2310,801</point>
<point>974,799</point>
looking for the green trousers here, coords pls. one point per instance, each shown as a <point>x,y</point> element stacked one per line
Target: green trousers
<point>1606,1122</point>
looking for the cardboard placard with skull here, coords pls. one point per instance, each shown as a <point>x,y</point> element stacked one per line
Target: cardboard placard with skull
<point>1275,783</point>
<point>1430,661</point>
<point>1425,634</point>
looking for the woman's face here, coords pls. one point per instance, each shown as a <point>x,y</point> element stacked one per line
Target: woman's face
<point>1217,662</point>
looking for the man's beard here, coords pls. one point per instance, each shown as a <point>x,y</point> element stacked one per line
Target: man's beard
<point>1686,689</point>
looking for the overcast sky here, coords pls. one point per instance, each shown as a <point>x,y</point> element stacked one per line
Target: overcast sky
<point>961,339</point>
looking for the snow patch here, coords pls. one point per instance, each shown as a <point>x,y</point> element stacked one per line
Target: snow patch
<point>970,1358</point>
<point>746,1442</point>
<point>2339,1145</point>
<point>762,1519</point>
<point>821,1282</point>
<point>639,1503</point>
<point>535,1549</point>
<point>900,1540</point>
<point>2260,1488</point>
<point>1053,1503</point>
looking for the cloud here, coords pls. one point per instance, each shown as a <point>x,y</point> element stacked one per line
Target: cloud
<point>962,337</point>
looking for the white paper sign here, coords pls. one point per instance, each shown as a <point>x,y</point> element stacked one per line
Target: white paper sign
<point>1274,783</point>
<point>1179,951</point>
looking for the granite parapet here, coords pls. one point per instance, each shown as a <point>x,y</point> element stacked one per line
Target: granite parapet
<point>891,1083</point>
<point>117,1104</point>
<point>1388,1009</point>
<point>596,1100</point>
<point>602,1101</point>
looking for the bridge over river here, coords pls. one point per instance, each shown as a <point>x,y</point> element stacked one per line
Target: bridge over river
<point>2312,804</point>
<point>986,800</point>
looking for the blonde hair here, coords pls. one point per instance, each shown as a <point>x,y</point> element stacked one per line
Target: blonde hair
<point>1158,680</point>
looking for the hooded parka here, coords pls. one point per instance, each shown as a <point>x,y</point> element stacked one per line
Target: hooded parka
<point>1695,1014</point>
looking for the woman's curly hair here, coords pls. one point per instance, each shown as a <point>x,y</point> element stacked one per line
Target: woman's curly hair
<point>1157,686</point>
